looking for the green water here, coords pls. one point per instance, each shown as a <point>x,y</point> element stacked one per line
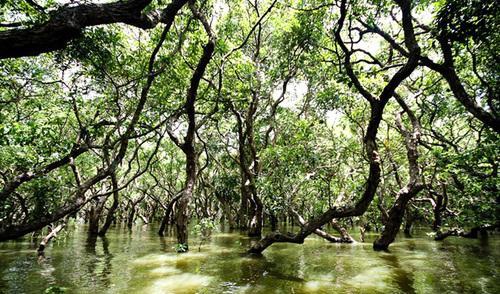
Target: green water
<point>141,262</point>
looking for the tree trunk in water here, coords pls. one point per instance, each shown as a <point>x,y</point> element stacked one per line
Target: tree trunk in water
<point>409,219</point>
<point>111,212</point>
<point>182,213</point>
<point>166,217</point>
<point>438,208</point>
<point>131,216</point>
<point>95,215</point>
<point>392,225</point>
<point>188,147</point>
<point>472,234</point>
<point>414,186</point>
<point>362,232</point>
<point>274,222</point>
<point>321,233</point>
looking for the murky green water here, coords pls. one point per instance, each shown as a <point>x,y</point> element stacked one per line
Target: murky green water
<point>141,262</point>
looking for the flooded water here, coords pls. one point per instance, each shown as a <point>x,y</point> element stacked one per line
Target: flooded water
<point>142,262</point>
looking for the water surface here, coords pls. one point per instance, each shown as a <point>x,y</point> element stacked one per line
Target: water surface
<point>141,262</point>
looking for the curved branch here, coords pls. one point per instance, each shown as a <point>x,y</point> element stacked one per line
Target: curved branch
<point>68,23</point>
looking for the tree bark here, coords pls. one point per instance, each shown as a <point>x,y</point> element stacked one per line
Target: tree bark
<point>322,233</point>
<point>95,214</point>
<point>344,235</point>
<point>166,217</point>
<point>69,22</point>
<point>414,186</point>
<point>45,241</point>
<point>256,217</point>
<point>111,211</point>
<point>188,147</point>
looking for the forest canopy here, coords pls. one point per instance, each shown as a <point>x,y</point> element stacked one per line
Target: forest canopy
<point>376,114</point>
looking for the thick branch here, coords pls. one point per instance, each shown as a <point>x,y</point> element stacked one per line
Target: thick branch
<point>68,23</point>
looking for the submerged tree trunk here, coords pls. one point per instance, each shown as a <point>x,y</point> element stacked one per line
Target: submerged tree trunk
<point>111,211</point>
<point>188,147</point>
<point>414,186</point>
<point>474,233</point>
<point>273,220</point>
<point>182,212</point>
<point>95,215</point>
<point>226,214</point>
<point>168,212</point>
<point>322,233</point>
<point>408,222</point>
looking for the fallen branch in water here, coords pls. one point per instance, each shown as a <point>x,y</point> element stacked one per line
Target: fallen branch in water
<point>472,234</point>
<point>50,236</point>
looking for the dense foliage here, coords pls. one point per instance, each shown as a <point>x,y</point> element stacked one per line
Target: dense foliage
<point>280,120</point>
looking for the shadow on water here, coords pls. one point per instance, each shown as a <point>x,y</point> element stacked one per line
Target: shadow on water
<point>402,278</point>
<point>99,263</point>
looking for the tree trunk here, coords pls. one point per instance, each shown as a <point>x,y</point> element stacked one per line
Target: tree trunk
<point>256,217</point>
<point>95,215</point>
<point>273,221</point>
<point>408,223</point>
<point>111,211</point>
<point>244,211</point>
<point>472,234</point>
<point>182,213</point>
<point>322,233</point>
<point>166,217</point>
<point>396,213</point>
<point>188,147</point>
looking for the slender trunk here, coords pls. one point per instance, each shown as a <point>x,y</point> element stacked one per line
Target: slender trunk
<point>244,194</point>
<point>182,212</point>
<point>166,217</point>
<point>111,211</point>
<point>396,214</point>
<point>362,233</point>
<point>131,216</point>
<point>472,234</point>
<point>256,217</point>
<point>408,223</point>
<point>273,221</point>
<point>188,147</point>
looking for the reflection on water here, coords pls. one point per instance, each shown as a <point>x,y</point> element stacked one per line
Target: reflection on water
<point>141,262</point>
